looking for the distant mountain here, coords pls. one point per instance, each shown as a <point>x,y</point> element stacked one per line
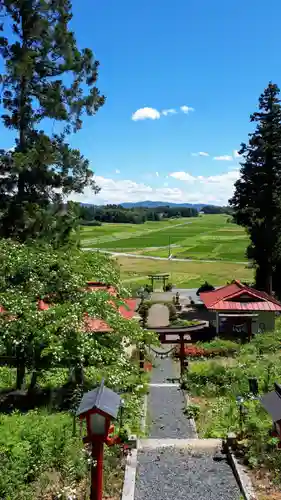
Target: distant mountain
<point>153,204</point>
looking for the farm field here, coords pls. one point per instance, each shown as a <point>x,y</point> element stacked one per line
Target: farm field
<point>134,272</point>
<point>208,237</point>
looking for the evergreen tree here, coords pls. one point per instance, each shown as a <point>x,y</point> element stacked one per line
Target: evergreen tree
<point>46,79</point>
<point>257,197</point>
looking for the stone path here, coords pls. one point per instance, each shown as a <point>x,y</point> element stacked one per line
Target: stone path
<point>166,404</point>
<point>170,473</point>
<point>165,472</point>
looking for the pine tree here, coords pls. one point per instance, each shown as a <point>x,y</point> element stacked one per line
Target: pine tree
<point>257,196</point>
<point>46,79</point>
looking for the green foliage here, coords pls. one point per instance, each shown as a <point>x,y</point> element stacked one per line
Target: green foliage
<point>45,78</point>
<point>172,312</point>
<point>34,444</point>
<point>46,338</point>
<point>143,311</point>
<point>216,384</point>
<point>135,215</point>
<point>177,323</point>
<point>256,201</point>
<point>192,410</point>
<point>40,458</point>
<point>206,287</point>
<point>40,455</point>
<point>218,343</point>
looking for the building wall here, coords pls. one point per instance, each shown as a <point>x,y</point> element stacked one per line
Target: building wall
<point>265,320</point>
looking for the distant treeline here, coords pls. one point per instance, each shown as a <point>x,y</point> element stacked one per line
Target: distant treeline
<point>213,209</point>
<point>95,215</point>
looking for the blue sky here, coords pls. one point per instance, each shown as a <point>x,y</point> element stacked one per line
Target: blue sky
<point>214,57</point>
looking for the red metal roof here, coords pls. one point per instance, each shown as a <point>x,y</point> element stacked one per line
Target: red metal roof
<point>128,311</point>
<point>245,306</point>
<point>222,299</point>
<point>97,325</point>
<point>42,306</point>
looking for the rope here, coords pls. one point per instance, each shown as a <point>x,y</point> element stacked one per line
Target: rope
<point>162,354</point>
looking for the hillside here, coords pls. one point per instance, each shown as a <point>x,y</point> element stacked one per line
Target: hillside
<point>153,204</point>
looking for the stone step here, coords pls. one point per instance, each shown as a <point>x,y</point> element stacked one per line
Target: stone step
<point>193,444</point>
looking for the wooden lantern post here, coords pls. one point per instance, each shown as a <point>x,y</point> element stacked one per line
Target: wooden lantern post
<point>98,407</point>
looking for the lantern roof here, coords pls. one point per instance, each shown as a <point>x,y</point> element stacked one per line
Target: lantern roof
<point>272,403</point>
<point>101,398</point>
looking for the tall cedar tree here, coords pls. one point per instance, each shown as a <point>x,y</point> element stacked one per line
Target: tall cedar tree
<point>46,77</point>
<point>257,197</point>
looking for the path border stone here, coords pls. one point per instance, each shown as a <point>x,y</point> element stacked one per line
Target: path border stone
<point>191,420</point>
<point>242,478</point>
<point>128,490</point>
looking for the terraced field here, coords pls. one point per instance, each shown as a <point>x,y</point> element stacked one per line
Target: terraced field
<point>208,237</point>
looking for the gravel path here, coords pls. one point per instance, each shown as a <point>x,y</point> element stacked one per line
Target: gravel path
<point>165,414</point>
<point>150,257</point>
<point>164,369</point>
<point>166,404</point>
<point>169,473</point>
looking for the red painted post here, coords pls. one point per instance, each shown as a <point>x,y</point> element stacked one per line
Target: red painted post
<point>97,470</point>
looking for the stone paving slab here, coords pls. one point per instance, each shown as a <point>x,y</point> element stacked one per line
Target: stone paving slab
<point>170,473</point>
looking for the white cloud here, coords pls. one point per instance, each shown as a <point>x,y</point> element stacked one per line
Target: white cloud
<point>215,189</point>
<point>182,176</point>
<point>186,109</point>
<point>157,174</point>
<point>236,154</point>
<point>153,113</point>
<point>146,114</point>
<point>170,111</point>
<point>201,153</point>
<point>223,158</point>
<point>117,171</point>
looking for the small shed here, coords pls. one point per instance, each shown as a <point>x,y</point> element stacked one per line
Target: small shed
<point>241,309</point>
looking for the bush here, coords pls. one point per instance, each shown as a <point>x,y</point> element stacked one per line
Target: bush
<point>218,387</point>
<point>192,410</point>
<point>218,343</point>
<point>168,287</point>
<point>210,378</point>
<point>207,350</point>
<point>91,223</point>
<point>172,312</point>
<point>206,287</point>
<point>33,445</point>
<point>184,323</point>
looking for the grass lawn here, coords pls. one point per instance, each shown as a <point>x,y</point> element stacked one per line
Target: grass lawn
<point>134,272</point>
<point>205,237</point>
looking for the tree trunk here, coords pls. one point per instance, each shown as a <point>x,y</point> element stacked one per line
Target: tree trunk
<point>20,375</point>
<point>268,285</point>
<point>78,375</point>
<point>33,380</point>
